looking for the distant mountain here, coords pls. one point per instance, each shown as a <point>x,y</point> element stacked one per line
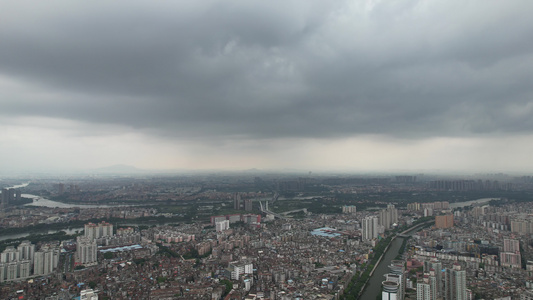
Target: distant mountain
<point>121,169</point>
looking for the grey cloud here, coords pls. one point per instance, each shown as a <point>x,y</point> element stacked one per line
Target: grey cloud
<point>275,69</point>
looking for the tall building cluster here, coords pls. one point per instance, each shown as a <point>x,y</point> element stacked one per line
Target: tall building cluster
<point>240,204</point>
<point>388,216</point>
<point>468,185</point>
<point>72,188</point>
<point>86,245</point>
<point>101,234</point>
<point>395,281</point>
<point>510,256</point>
<point>9,196</point>
<point>372,226</point>
<point>237,269</point>
<point>455,283</point>
<point>222,225</point>
<point>249,219</point>
<point>522,224</point>
<point>429,208</point>
<point>96,231</point>
<point>349,209</point>
<point>45,260</point>
<point>430,288</point>
<point>22,262</point>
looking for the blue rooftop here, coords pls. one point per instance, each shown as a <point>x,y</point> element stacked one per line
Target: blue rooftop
<point>325,231</point>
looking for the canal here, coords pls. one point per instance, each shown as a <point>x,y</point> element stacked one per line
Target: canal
<point>373,286</point>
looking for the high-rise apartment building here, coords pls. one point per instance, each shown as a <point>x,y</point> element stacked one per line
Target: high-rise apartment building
<point>389,291</point>
<point>237,269</point>
<point>248,204</point>
<point>10,254</point>
<point>26,250</point>
<point>456,283</point>
<point>413,206</point>
<point>45,260</point>
<point>511,245</point>
<point>445,221</point>
<point>369,228</point>
<point>8,196</point>
<point>510,260</point>
<point>15,264</point>
<point>86,250</point>
<point>427,287</point>
<point>96,231</point>
<point>388,216</point>
<point>222,225</point>
<point>434,268</point>
<point>349,209</point>
<point>510,256</point>
<point>397,274</point>
<point>423,291</point>
<point>237,201</point>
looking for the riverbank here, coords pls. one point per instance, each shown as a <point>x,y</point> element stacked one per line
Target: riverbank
<point>44,202</point>
<point>367,285</point>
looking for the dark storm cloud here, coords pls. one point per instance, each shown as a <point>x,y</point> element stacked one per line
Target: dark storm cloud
<point>265,69</point>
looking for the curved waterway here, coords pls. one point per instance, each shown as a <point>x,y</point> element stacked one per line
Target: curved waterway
<point>472,202</point>
<point>373,286</point>
<point>43,202</point>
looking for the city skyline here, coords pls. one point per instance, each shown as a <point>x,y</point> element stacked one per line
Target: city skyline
<point>355,86</point>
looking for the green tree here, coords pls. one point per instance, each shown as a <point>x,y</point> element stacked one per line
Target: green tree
<point>92,284</point>
<point>228,284</point>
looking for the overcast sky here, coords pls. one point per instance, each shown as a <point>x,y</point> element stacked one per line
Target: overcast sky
<point>311,85</point>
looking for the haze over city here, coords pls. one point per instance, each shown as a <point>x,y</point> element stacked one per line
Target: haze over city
<point>308,85</point>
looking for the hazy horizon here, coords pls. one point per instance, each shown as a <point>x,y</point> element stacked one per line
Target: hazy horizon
<point>343,86</point>
<point>128,170</point>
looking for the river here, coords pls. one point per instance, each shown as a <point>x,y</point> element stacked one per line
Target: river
<point>43,202</point>
<point>468,203</point>
<point>373,286</point>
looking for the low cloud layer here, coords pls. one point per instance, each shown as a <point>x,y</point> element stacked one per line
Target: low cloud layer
<point>206,71</point>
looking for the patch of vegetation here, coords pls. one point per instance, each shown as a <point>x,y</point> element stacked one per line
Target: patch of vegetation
<point>163,250</point>
<point>228,284</point>
<point>161,279</point>
<point>193,253</point>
